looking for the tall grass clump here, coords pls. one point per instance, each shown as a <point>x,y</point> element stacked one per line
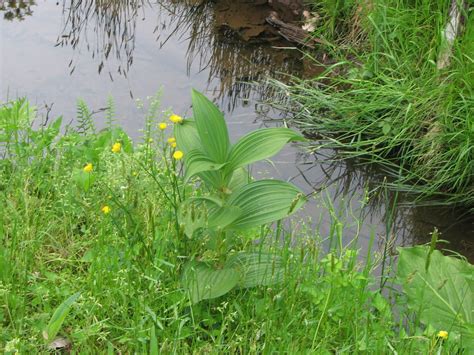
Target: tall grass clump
<point>388,98</point>
<point>111,246</point>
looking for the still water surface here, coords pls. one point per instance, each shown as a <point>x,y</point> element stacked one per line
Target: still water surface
<point>55,52</point>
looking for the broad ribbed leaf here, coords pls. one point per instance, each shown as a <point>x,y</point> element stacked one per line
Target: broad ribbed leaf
<point>197,162</point>
<point>187,140</point>
<point>192,217</point>
<point>210,201</point>
<point>221,217</point>
<point>194,213</point>
<point>257,269</point>
<point>212,179</point>
<point>205,212</point>
<point>240,177</point>
<point>260,144</point>
<point>58,317</point>
<point>202,282</point>
<point>187,137</point>
<point>443,295</point>
<point>265,201</point>
<point>211,127</point>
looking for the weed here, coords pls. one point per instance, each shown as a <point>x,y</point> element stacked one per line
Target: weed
<point>128,260</point>
<point>386,99</point>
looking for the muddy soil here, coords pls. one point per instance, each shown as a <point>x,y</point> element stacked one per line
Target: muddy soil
<point>247,20</point>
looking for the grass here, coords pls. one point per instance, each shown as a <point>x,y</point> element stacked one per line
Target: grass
<point>385,100</point>
<point>126,261</point>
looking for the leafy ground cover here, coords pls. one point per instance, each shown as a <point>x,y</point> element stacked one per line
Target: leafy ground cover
<point>391,97</point>
<point>155,246</point>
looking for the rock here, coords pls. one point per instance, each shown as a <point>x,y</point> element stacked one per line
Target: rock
<point>60,343</point>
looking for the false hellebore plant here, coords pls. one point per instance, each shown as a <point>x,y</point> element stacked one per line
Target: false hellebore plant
<point>232,202</point>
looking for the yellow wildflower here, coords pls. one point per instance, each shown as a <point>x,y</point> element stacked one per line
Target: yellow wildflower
<point>178,155</point>
<point>162,126</point>
<point>88,168</point>
<point>176,119</point>
<point>106,209</point>
<point>443,334</point>
<point>117,147</point>
<point>171,140</point>
<point>173,145</point>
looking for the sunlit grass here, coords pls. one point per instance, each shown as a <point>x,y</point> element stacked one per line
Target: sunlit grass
<point>126,260</point>
<point>386,100</point>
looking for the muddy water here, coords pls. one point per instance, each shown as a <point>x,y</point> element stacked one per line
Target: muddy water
<point>53,53</point>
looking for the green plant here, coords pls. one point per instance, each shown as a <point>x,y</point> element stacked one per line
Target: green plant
<point>439,291</point>
<point>58,318</point>
<point>85,120</point>
<point>233,202</point>
<point>386,101</point>
<point>129,261</point>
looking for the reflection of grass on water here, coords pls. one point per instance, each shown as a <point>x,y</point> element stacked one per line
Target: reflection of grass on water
<point>109,29</point>
<point>16,9</point>
<point>387,98</point>
<point>410,223</point>
<point>112,23</point>
<point>236,64</point>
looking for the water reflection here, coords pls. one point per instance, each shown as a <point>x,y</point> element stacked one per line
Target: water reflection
<point>403,223</point>
<point>226,38</point>
<point>103,27</point>
<point>108,28</point>
<point>220,50</point>
<point>16,9</point>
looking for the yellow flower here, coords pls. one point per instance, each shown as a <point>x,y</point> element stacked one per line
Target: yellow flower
<point>88,168</point>
<point>443,334</point>
<point>171,140</point>
<point>117,147</point>
<point>178,155</point>
<point>162,126</point>
<point>173,145</point>
<point>176,119</point>
<point>106,209</point>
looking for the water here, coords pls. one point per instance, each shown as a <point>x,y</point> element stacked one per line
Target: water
<point>54,53</point>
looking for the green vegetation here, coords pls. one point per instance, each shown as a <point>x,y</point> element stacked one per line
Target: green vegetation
<point>109,246</point>
<point>391,97</point>
<point>234,204</point>
<point>424,273</point>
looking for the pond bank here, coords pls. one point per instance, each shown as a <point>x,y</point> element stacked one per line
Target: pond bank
<point>95,256</point>
<point>381,102</point>
<point>180,46</point>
